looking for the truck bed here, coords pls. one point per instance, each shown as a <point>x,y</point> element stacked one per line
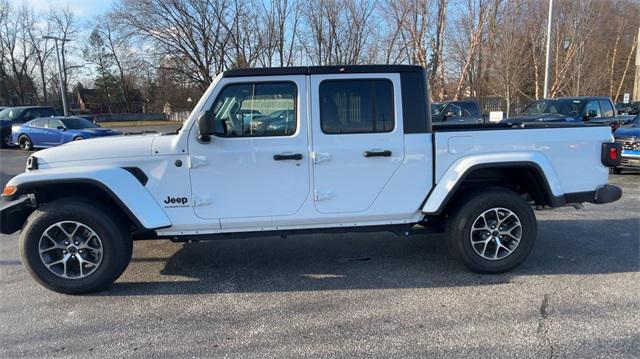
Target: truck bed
<point>564,149</point>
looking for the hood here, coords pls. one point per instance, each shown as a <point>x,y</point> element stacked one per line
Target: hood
<point>627,132</point>
<point>100,131</point>
<point>548,117</point>
<point>98,148</point>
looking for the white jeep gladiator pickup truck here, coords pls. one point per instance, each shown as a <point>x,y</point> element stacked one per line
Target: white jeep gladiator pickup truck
<point>296,150</point>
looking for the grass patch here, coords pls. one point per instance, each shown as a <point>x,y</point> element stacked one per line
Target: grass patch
<point>136,123</point>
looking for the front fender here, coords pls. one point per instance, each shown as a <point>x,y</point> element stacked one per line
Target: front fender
<point>456,173</point>
<point>123,187</point>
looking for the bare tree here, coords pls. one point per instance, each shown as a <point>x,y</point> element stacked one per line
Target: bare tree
<point>43,49</point>
<point>511,50</point>
<point>17,52</point>
<point>472,21</point>
<point>340,31</point>
<point>64,26</point>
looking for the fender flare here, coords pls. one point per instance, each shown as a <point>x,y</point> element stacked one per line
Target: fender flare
<point>460,169</point>
<point>122,185</point>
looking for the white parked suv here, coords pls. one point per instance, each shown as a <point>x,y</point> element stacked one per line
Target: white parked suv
<point>306,149</point>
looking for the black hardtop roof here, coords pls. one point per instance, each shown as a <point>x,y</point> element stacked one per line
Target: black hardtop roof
<point>59,117</point>
<point>312,70</point>
<point>579,98</point>
<point>469,100</point>
<point>28,107</point>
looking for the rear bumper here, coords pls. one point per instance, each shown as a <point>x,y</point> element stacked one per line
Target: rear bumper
<point>605,194</point>
<point>14,213</point>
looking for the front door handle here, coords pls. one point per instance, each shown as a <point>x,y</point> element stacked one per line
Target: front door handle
<point>287,156</point>
<point>377,153</point>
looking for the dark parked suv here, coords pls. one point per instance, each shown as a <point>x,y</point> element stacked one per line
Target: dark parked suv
<point>592,109</point>
<point>456,113</point>
<point>19,115</point>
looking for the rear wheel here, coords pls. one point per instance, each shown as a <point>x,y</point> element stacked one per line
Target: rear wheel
<point>493,231</point>
<point>78,138</point>
<point>74,246</point>
<point>24,142</point>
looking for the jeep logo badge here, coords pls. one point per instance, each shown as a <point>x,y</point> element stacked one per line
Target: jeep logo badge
<point>176,201</point>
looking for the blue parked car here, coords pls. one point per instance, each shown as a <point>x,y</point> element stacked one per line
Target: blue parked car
<point>54,131</point>
<point>629,137</point>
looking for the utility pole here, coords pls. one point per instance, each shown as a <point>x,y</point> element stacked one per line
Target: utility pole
<point>636,83</point>
<point>546,61</point>
<point>63,90</point>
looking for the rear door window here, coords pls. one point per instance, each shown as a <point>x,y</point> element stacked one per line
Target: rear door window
<point>39,123</point>
<point>607,109</point>
<point>469,109</point>
<point>356,106</point>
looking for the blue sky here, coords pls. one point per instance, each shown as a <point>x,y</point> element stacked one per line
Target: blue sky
<point>84,9</point>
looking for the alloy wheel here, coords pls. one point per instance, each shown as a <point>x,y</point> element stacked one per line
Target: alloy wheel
<point>25,143</point>
<point>71,250</point>
<point>496,233</point>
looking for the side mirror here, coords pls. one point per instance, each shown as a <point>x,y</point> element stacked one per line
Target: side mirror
<point>205,126</point>
<point>60,128</point>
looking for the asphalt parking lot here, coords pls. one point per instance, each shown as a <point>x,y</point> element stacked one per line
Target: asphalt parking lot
<point>345,295</point>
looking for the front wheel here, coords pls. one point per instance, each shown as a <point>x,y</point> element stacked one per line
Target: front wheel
<point>493,231</point>
<point>24,142</point>
<point>74,246</point>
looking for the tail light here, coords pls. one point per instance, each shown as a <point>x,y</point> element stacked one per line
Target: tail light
<point>611,154</point>
<point>614,125</point>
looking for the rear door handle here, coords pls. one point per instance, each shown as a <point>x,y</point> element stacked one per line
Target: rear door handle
<point>377,153</point>
<point>287,156</point>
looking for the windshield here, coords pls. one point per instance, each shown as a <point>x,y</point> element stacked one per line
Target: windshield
<point>564,107</point>
<point>9,114</point>
<point>77,123</point>
<point>436,108</point>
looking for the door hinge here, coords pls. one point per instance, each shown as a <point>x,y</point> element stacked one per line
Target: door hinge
<point>197,161</point>
<point>199,201</point>
<point>320,196</point>
<point>320,157</point>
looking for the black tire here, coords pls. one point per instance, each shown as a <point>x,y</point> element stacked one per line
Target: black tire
<point>459,226</point>
<point>78,138</point>
<point>24,142</point>
<point>616,170</point>
<point>113,232</point>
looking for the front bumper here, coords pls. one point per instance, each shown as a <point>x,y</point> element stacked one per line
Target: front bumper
<point>13,213</point>
<point>629,159</point>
